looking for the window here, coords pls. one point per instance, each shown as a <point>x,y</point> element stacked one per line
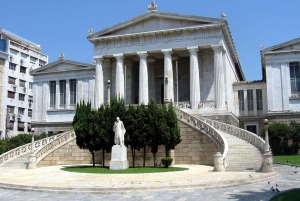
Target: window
<point>251,128</point>
<point>52,92</point>
<point>259,99</point>
<point>11,94</point>
<point>250,99</point>
<point>30,99</point>
<point>12,66</point>
<point>33,60</point>
<point>21,126</point>
<point>10,109</point>
<point>22,83</point>
<point>21,111</point>
<point>23,69</point>
<point>241,100</point>
<point>62,92</point>
<point>41,63</point>
<point>72,92</point>
<point>11,80</point>
<point>21,97</point>
<point>295,76</point>
<point>30,85</point>
<point>29,113</point>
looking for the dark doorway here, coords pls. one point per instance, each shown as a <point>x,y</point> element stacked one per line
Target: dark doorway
<point>251,128</point>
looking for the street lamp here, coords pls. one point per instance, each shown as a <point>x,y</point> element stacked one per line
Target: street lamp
<point>166,88</point>
<point>267,157</point>
<point>108,92</point>
<point>32,156</point>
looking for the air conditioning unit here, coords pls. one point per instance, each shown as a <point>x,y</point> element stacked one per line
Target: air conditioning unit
<point>22,61</point>
<point>19,116</point>
<point>12,117</point>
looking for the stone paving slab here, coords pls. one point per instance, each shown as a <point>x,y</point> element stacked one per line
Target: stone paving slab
<point>54,179</point>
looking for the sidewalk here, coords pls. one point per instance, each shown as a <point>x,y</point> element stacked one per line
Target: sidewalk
<point>53,179</point>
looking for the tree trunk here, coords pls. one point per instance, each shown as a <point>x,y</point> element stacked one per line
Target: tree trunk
<point>154,159</point>
<point>144,162</point>
<point>103,158</point>
<point>167,151</point>
<point>93,156</point>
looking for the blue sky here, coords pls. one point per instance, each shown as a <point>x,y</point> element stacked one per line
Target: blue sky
<point>60,26</point>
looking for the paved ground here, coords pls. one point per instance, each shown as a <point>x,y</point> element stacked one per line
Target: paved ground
<point>254,191</point>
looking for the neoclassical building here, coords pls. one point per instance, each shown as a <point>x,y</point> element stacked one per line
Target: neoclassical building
<point>189,60</point>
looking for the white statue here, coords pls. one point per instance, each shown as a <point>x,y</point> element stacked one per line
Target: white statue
<point>119,130</point>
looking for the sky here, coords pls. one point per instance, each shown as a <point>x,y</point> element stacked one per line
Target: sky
<point>61,26</point>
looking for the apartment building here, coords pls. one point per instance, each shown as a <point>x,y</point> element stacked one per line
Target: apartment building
<point>18,56</point>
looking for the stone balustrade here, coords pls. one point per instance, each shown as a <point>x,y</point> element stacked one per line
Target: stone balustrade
<point>207,129</point>
<point>251,138</point>
<point>26,149</point>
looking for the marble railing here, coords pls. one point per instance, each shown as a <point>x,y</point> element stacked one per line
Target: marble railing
<point>54,144</point>
<point>26,149</point>
<point>207,129</point>
<point>249,137</point>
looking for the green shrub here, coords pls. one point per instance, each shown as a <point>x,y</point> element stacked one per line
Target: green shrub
<point>166,161</point>
<point>3,146</point>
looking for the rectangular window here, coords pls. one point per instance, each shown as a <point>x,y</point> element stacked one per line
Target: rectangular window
<point>21,111</point>
<point>30,99</point>
<point>62,92</point>
<point>29,113</point>
<point>259,99</point>
<point>241,100</point>
<point>52,92</point>
<point>11,80</point>
<point>250,99</point>
<point>22,83</point>
<point>11,94</point>
<point>72,92</point>
<point>30,85</point>
<point>21,126</point>
<point>23,69</point>
<point>295,76</point>
<point>22,97</point>
<point>33,60</point>
<point>12,66</point>
<point>11,109</point>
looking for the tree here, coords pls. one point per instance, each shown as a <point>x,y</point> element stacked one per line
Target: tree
<point>84,127</point>
<point>103,141</point>
<point>295,136</point>
<point>154,139</point>
<point>173,132</point>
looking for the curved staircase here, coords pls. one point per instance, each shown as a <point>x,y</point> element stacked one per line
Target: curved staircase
<point>241,150</point>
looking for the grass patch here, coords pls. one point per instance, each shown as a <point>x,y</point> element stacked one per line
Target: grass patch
<point>136,170</point>
<point>292,195</point>
<point>293,159</point>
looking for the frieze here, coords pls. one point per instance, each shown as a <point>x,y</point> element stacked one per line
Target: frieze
<point>159,37</point>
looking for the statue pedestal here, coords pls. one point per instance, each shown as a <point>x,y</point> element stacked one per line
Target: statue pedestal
<point>118,158</point>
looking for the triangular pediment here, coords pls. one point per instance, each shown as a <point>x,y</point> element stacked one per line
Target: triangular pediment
<point>155,21</point>
<point>62,66</point>
<point>284,47</point>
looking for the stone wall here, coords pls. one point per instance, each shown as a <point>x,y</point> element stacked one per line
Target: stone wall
<point>195,148</point>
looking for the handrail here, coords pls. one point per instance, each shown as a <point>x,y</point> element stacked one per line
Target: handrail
<point>53,145</point>
<point>250,137</point>
<point>207,129</point>
<point>26,149</point>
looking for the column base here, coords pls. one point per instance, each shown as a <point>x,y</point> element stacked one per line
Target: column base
<point>268,162</point>
<point>32,162</point>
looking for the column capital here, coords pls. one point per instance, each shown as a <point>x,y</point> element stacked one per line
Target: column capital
<point>217,47</point>
<point>151,59</point>
<point>193,49</point>
<point>142,53</point>
<point>98,58</point>
<point>175,57</point>
<point>119,56</point>
<point>167,51</point>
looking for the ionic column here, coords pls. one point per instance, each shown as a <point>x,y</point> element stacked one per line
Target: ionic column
<point>151,72</point>
<point>168,72</point>
<point>99,83</point>
<point>254,103</point>
<point>143,79</point>
<point>194,78</point>
<point>57,95</point>
<point>67,93</point>
<point>219,82</point>
<point>119,76</point>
